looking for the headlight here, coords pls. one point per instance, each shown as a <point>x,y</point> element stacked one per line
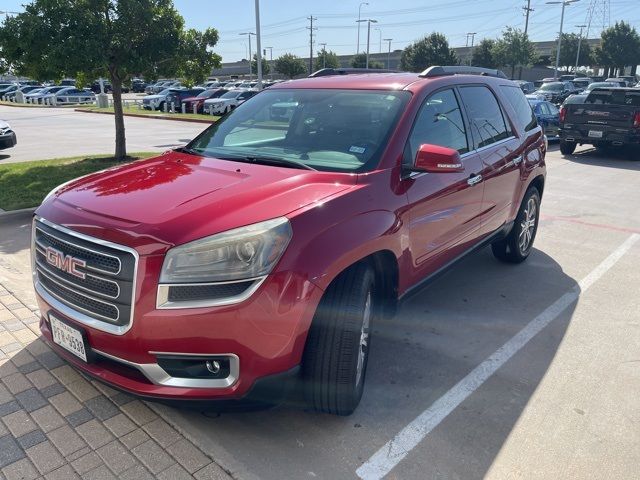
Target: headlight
<point>243,253</point>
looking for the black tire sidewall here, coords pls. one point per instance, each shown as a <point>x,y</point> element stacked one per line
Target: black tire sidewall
<point>514,237</point>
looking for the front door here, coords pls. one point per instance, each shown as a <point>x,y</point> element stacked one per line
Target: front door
<point>444,208</point>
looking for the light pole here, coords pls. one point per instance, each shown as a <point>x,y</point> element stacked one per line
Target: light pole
<point>270,61</point>
<point>369,22</point>
<point>258,49</point>
<point>579,45</point>
<point>359,10</point>
<point>564,3</point>
<point>389,52</point>
<point>473,36</point>
<point>379,30</point>
<point>324,55</point>
<point>248,34</point>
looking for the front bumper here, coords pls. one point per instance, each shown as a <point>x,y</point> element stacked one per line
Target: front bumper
<point>266,333</point>
<point>615,136</point>
<point>8,140</point>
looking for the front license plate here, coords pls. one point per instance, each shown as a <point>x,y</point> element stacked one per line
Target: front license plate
<point>595,133</point>
<point>68,338</point>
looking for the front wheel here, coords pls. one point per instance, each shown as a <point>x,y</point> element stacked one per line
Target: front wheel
<point>337,350</point>
<point>517,246</point>
<point>567,148</point>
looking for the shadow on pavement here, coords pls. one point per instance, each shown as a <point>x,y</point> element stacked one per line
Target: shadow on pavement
<point>437,338</point>
<point>15,233</point>
<point>627,158</point>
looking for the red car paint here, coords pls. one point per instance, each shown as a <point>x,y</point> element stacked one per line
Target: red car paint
<point>423,222</point>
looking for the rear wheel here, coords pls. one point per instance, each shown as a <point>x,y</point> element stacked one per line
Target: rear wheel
<point>517,246</point>
<point>567,148</point>
<point>337,349</point>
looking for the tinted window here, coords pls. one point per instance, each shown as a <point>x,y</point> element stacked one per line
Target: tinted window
<point>553,110</point>
<point>439,122</point>
<point>487,122</point>
<point>614,97</point>
<point>524,116</point>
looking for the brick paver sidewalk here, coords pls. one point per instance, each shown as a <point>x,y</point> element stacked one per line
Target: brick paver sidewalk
<point>57,424</point>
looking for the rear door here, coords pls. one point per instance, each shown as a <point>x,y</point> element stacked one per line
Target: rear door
<point>499,149</point>
<point>444,208</point>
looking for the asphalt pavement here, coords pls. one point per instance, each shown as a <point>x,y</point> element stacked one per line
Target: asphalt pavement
<point>493,371</point>
<point>45,133</point>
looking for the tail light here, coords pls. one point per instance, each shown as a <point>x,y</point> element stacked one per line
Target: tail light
<point>563,113</point>
<point>636,120</point>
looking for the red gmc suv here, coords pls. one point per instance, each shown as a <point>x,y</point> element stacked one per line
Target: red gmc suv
<point>263,252</point>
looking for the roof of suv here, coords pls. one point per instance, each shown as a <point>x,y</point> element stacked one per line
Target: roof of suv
<point>378,81</point>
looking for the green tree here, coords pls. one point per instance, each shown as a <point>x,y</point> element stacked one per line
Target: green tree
<point>514,49</point>
<point>620,47</point>
<point>106,38</point>
<point>483,54</point>
<point>429,51</point>
<point>569,50</point>
<point>360,61</point>
<point>290,65</point>
<point>326,59</point>
<point>266,68</point>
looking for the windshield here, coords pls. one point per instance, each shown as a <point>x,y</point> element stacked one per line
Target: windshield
<point>328,130</point>
<point>233,94</point>
<point>551,87</point>
<point>206,94</point>
<point>166,91</point>
<point>600,85</point>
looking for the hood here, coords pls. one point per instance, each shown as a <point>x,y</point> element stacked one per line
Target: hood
<point>152,97</point>
<point>176,198</point>
<point>211,101</point>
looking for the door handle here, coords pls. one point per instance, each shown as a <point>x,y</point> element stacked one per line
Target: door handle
<point>518,160</point>
<point>474,179</point>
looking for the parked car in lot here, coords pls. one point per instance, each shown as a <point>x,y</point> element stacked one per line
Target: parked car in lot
<point>197,101</point>
<point>555,92</point>
<point>604,117</point>
<point>8,90</point>
<point>70,96</point>
<point>600,85</point>
<point>7,136</point>
<point>11,96</point>
<point>157,102</point>
<point>267,251</point>
<point>582,82</point>
<point>138,85</point>
<point>38,95</point>
<point>620,82</point>
<point>527,87</point>
<point>228,101</point>
<point>176,97</point>
<point>630,79</point>
<point>548,116</point>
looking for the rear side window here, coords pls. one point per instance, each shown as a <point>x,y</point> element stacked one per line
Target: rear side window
<point>614,97</point>
<point>524,114</point>
<point>487,121</point>
<point>439,122</point>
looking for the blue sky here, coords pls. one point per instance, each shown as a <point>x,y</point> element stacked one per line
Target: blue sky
<point>284,21</point>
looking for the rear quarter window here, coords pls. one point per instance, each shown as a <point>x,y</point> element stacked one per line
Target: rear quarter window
<point>525,118</point>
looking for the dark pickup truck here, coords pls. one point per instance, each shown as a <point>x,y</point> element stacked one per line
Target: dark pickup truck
<point>604,117</point>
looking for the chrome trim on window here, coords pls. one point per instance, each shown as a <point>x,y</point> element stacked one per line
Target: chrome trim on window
<point>163,303</point>
<point>159,376</point>
<point>68,311</point>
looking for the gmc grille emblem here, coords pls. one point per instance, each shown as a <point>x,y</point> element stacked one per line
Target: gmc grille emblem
<point>66,263</point>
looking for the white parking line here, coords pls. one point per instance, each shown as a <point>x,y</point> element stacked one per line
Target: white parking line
<point>394,451</point>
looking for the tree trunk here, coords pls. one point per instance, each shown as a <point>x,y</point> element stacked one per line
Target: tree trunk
<point>513,71</point>
<point>121,141</point>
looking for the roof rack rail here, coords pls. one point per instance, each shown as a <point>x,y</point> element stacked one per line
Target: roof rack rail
<point>437,71</point>
<point>324,72</point>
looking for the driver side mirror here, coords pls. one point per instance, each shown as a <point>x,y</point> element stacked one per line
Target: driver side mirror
<point>436,159</point>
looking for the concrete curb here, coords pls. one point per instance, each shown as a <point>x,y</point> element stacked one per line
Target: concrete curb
<point>153,117</point>
<point>9,213</point>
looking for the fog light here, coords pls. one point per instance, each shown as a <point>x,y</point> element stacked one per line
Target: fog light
<point>213,366</point>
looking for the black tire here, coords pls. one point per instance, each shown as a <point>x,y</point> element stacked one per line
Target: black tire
<point>332,352</point>
<point>512,249</point>
<point>567,148</point>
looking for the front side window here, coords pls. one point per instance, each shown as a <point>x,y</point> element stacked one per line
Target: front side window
<point>487,122</point>
<point>325,129</point>
<point>439,122</point>
<point>521,106</point>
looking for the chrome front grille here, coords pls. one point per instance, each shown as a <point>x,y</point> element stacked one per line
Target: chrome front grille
<point>98,289</point>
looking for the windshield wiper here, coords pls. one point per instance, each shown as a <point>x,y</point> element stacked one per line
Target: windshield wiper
<point>188,151</point>
<point>269,161</point>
